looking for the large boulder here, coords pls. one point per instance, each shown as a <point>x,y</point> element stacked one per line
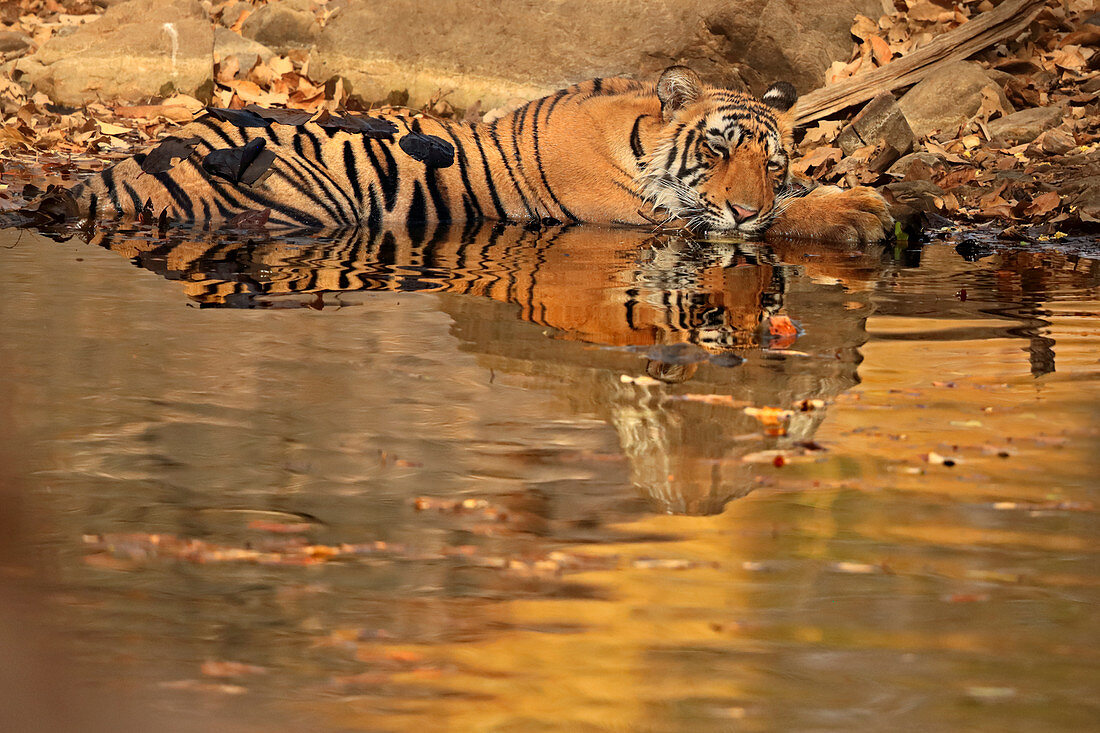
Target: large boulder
<point>136,50</point>
<point>1025,125</point>
<point>483,49</point>
<point>949,97</point>
<point>283,25</point>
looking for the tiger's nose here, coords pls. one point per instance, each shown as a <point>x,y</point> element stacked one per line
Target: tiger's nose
<point>741,213</point>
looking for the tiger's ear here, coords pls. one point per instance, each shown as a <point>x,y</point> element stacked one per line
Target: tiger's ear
<point>678,87</point>
<point>782,95</point>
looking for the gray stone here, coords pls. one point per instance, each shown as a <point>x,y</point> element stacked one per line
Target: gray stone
<point>1083,194</point>
<point>13,42</point>
<point>882,124</point>
<point>136,50</point>
<point>230,15</point>
<point>1024,126</point>
<point>900,169</point>
<point>495,51</point>
<point>948,98</point>
<point>282,26</point>
<point>920,195</point>
<point>227,43</point>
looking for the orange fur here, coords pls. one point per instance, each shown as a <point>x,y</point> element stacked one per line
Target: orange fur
<point>607,151</point>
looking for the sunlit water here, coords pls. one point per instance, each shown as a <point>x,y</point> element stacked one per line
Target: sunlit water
<point>912,547</point>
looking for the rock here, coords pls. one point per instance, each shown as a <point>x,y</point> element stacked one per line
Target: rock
<point>385,45</point>
<point>13,42</point>
<point>230,14</point>
<point>1023,126</point>
<point>136,50</point>
<point>931,161</point>
<point>283,26</point>
<point>948,98</point>
<point>1083,198</point>
<point>227,43</point>
<point>1053,142</point>
<point>882,124</point>
<point>907,197</point>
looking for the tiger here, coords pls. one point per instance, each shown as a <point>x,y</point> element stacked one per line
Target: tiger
<point>614,151</point>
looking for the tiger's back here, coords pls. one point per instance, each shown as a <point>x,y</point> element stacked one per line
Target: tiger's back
<point>351,170</point>
<point>606,151</point>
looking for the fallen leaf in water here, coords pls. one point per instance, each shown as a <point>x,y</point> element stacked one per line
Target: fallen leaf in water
<point>642,381</point>
<point>251,219</point>
<point>200,686</point>
<point>279,527</point>
<point>937,460</point>
<point>651,563</point>
<point>854,567</point>
<point>770,416</point>
<point>967,598</point>
<point>991,694</point>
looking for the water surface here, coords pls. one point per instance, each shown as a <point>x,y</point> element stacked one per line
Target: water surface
<point>495,479</point>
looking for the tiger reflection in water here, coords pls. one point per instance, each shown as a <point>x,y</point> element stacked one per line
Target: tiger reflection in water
<point>679,319</point>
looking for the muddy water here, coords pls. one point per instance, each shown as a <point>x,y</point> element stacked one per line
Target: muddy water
<point>502,480</point>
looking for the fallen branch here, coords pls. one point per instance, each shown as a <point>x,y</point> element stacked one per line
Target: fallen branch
<point>1004,21</point>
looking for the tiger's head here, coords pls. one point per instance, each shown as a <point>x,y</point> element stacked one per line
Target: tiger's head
<point>722,160</point>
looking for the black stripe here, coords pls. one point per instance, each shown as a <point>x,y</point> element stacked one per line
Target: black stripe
<point>308,134</point>
<point>687,150</point>
<point>538,162</point>
<point>469,232</point>
<point>374,217</point>
<point>351,169</point>
<point>332,188</point>
<point>418,210</point>
<point>93,204</point>
<point>293,214</point>
<point>328,186</point>
<point>112,189</point>
<point>210,124</point>
<point>636,138</point>
<point>631,304</point>
<point>462,163</point>
<point>628,189</point>
<point>183,201</point>
<point>508,167</point>
<point>133,196</point>
<point>300,167</point>
<point>489,177</point>
<point>521,115</point>
<point>386,177</point>
<point>442,209</point>
<point>554,103</point>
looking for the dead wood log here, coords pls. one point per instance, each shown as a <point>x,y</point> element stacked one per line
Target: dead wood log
<point>1004,21</point>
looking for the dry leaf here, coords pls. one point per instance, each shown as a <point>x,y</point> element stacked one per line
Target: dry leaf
<point>1044,204</point>
<point>881,50</point>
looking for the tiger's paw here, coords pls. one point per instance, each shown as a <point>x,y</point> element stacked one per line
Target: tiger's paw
<point>833,214</point>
